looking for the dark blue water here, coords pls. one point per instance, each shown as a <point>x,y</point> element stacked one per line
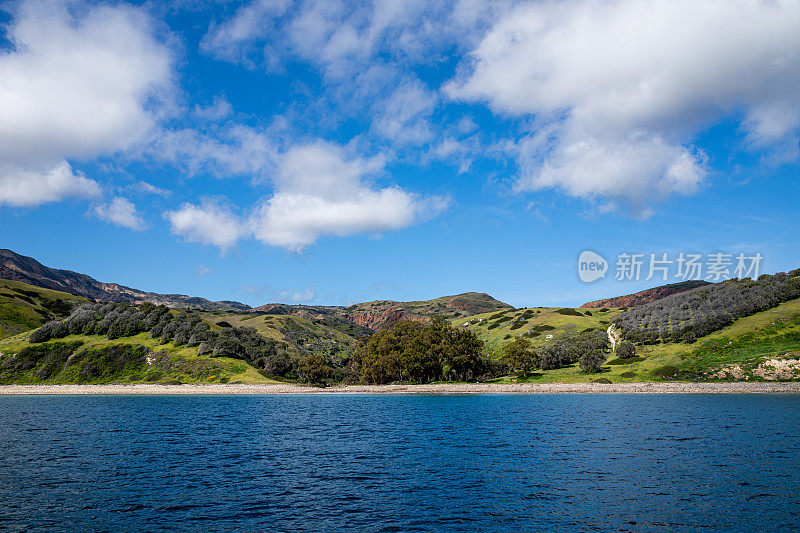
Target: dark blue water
<point>400,463</point>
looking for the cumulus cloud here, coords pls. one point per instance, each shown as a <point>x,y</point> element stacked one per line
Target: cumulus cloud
<point>208,223</point>
<point>74,87</point>
<point>319,191</point>
<point>33,185</point>
<point>121,212</point>
<point>619,89</point>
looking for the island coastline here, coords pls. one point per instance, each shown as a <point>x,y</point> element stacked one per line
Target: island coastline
<point>397,389</point>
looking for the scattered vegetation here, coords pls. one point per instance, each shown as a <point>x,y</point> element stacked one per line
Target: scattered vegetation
<point>686,316</point>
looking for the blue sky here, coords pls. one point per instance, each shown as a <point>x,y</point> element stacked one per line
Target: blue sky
<point>328,152</point>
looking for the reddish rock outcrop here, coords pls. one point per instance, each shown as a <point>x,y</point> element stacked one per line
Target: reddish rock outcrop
<point>647,296</point>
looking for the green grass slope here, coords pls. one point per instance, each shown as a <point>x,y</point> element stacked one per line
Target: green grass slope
<point>95,359</point>
<point>763,346</point>
<point>536,324</point>
<point>24,307</point>
<point>303,335</point>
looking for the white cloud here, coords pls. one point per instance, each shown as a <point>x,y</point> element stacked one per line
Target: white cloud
<point>209,223</point>
<point>31,186</point>
<point>232,39</point>
<point>149,188</point>
<point>219,109</point>
<point>202,270</point>
<point>228,151</point>
<point>121,212</point>
<point>295,221</point>
<point>74,87</point>
<point>319,191</point>
<point>403,117</point>
<point>304,296</point>
<point>620,88</point>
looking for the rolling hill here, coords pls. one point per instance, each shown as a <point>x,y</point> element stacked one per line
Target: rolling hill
<point>27,270</point>
<point>646,296</point>
<point>735,330</point>
<point>380,314</point>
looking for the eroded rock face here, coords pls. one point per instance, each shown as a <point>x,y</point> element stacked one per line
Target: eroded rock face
<point>378,319</point>
<point>786,367</point>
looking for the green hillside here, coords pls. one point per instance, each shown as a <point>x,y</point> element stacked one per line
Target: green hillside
<point>736,352</point>
<point>24,307</point>
<point>538,324</point>
<point>53,337</point>
<point>96,359</point>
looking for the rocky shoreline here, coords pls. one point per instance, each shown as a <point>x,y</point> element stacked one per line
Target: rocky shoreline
<point>443,388</point>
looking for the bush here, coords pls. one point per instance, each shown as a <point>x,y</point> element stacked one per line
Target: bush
<point>567,311</point>
<point>50,330</point>
<point>626,350</point>
<point>666,371</point>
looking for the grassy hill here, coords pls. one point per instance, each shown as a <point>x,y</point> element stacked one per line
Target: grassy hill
<point>24,307</point>
<point>381,314</point>
<point>302,335</point>
<point>96,359</point>
<point>763,345</point>
<point>538,324</point>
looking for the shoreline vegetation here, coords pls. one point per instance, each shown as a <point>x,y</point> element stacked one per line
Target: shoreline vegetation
<point>431,388</point>
<point>736,330</point>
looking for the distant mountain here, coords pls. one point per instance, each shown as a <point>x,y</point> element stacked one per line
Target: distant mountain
<point>381,314</point>
<point>28,270</point>
<point>647,296</point>
<point>373,315</point>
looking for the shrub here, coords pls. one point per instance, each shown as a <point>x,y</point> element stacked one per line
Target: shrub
<point>567,311</point>
<point>626,350</point>
<point>666,371</point>
<point>50,330</point>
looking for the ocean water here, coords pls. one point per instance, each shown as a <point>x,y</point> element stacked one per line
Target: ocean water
<point>601,462</point>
